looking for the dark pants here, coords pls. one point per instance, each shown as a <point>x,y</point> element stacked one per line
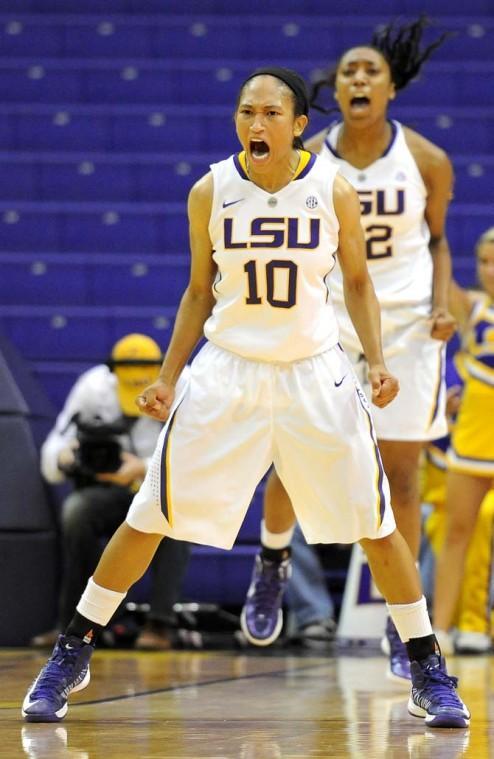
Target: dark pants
<point>91,515</point>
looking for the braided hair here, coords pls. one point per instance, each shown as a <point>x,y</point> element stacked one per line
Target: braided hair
<point>401,49</point>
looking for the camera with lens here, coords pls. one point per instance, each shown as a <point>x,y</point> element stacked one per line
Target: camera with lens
<point>99,450</point>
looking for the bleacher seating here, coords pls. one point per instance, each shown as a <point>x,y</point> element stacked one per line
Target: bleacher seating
<point>93,227</point>
<point>101,177</point>
<point>184,82</point>
<point>386,8</point>
<point>75,333</point>
<point>109,112</point>
<point>88,279</point>
<point>182,37</point>
<point>202,129</point>
<point>157,177</point>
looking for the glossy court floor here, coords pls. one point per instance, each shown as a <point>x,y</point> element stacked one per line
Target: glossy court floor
<point>227,705</point>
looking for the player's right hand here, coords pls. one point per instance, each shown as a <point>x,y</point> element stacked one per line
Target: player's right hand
<point>385,386</point>
<point>156,400</point>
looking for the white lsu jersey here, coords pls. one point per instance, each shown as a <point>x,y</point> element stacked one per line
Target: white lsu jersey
<point>274,252</point>
<point>392,203</point>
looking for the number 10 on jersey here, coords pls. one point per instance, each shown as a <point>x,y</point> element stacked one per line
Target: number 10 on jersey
<point>281,283</point>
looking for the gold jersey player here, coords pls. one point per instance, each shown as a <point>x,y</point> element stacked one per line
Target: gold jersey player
<point>470,459</point>
<point>270,385</point>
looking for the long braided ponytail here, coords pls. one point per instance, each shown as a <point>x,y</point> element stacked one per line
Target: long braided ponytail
<point>400,46</point>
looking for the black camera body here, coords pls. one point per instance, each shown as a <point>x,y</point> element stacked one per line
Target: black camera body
<point>99,448</point>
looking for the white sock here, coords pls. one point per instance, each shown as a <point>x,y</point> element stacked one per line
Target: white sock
<point>276,540</point>
<point>99,604</point>
<point>411,620</point>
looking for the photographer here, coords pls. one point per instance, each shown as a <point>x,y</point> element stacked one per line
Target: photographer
<point>102,445</point>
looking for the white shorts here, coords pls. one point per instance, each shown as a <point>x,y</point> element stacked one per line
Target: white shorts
<point>418,361</point>
<point>237,417</point>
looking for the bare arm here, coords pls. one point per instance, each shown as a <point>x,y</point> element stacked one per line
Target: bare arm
<point>360,298</point>
<point>195,307</point>
<point>437,173</point>
<point>440,193</point>
<point>197,301</point>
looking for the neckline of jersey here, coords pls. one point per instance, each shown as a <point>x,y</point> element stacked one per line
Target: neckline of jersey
<point>394,132</point>
<point>305,164</point>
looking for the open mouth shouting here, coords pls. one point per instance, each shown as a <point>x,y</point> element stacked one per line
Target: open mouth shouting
<point>359,103</point>
<point>259,150</point>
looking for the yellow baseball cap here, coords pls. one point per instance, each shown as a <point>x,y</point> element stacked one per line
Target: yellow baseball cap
<point>135,361</point>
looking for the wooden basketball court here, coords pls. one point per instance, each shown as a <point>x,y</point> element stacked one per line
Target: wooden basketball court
<point>240,706</point>
<point>228,705</point>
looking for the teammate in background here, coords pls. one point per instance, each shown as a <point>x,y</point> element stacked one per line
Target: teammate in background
<point>470,457</point>
<point>271,385</point>
<point>404,184</point>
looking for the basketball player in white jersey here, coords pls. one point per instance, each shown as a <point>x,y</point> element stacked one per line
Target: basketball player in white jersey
<point>271,385</point>
<point>404,183</point>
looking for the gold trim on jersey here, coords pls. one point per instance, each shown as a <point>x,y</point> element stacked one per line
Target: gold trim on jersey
<point>168,479</point>
<point>304,158</point>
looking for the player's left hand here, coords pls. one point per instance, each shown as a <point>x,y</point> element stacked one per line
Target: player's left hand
<point>385,387</point>
<point>443,324</point>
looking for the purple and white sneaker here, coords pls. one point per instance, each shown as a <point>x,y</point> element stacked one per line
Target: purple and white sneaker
<point>262,616</point>
<point>66,671</point>
<point>399,662</point>
<point>434,695</point>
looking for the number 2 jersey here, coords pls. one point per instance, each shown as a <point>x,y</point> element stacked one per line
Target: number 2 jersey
<point>392,199</point>
<point>274,252</point>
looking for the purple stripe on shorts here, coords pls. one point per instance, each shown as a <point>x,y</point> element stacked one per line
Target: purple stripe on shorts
<point>165,506</point>
<point>382,497</point>
<point>438,388</point>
